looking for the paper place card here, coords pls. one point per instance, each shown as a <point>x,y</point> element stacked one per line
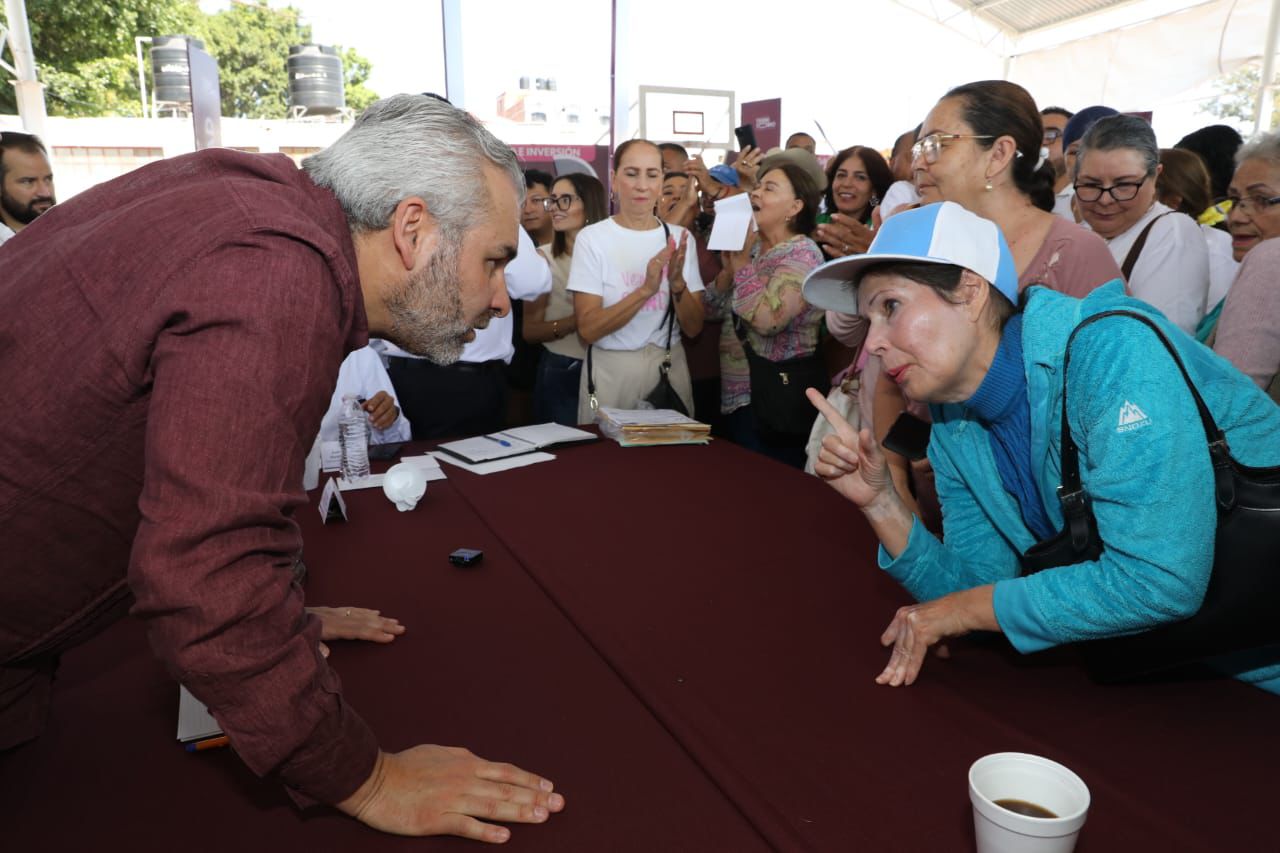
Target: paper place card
<point>332,506</point>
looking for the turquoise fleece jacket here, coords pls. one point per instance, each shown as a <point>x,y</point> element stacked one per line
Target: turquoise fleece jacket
<point>1143,461</point>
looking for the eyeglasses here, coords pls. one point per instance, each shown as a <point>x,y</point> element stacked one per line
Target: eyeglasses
<point>1252,203</point>
<point>564,202</point>
<point>1052,135</point>
<point>930,148</point>
<point>1122,191</point>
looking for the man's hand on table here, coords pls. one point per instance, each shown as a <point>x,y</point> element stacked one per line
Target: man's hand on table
<point>356,623</point>
<point>441,790</point>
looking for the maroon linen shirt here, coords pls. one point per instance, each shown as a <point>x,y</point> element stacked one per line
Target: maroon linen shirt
<point>168,344</point>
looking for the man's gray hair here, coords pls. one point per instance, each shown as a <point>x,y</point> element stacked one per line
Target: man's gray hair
<point>1264,147</point>
<point>1119,132</point>
<point>413,145</point>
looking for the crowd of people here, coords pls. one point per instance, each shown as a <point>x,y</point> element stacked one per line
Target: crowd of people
<point>943,279</point>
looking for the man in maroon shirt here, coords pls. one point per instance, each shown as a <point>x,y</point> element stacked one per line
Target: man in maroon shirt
<point>174,337</point>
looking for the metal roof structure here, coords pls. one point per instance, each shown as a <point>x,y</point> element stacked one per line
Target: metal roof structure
<point>1019,17</point>
<point>1118,48</point>
<point>1010,27</point>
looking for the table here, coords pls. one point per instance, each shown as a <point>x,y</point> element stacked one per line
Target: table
<point>685,640</point>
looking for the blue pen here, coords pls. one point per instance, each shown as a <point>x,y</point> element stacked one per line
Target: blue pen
<point>500,441</point>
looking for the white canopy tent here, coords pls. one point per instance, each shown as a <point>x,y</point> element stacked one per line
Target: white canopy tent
<point>1129,54</point>
<point>1121,53</point>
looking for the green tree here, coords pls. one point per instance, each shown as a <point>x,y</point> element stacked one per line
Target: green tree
<point>251,44</point>
<point>1238,95</point>
<point>85,54</point>
<point>355,68</point>
<point>85,51</point>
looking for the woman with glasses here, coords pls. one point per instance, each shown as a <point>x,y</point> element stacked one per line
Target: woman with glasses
<point>576,201</point>
<point>636,288</point>
<point>1076,128</point>
<point>940,294</point>
<point>982,147</point>
<point>1160,251</point>
<point>1055,121</point>
<point>1248,332</point>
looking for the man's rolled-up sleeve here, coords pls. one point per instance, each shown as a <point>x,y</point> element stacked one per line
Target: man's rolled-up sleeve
<point>246,351</point>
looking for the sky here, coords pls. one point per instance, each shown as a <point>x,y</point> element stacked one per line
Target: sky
<point>865,71</point>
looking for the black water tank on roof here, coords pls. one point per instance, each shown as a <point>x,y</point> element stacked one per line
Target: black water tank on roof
<point>315,79</point>
<point>171,69</point>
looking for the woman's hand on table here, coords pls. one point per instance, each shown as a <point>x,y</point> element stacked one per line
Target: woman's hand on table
<point>441,790</point>
<point>382,410</point>
<point>914,629</point>
<point>843,235</point>
<point>356,623</point>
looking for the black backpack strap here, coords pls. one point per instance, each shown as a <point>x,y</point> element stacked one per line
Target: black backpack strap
<point>1071,492</point>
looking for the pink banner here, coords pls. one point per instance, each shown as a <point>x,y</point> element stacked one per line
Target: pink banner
<point>548,153</point>
<point>766,118</point>
<point>560,159</point>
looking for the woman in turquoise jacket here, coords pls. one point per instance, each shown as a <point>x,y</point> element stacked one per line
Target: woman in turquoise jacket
<point>938,288</point>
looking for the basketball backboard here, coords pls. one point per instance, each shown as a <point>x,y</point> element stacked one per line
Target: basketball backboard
<point>696,118</point>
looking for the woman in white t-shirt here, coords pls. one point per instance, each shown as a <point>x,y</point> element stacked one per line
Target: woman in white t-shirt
<point>626,272</point>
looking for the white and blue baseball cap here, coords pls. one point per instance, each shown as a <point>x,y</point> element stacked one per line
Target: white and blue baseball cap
<point>942,233</point>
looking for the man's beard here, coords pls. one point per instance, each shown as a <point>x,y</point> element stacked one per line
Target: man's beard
<point>426,313</point>
<point>25,214</point>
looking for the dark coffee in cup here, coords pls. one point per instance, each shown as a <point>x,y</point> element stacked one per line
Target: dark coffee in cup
<point>1022,807</point>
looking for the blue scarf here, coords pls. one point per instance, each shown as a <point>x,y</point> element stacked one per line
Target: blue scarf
<point>1001,404</point>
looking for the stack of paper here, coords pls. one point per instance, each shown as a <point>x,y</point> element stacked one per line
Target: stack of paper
<point>647,427</point>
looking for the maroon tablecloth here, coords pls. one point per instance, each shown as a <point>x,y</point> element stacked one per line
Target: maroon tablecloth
<point>741,602</point>
<point>685,640</point>
<point>488,662</point>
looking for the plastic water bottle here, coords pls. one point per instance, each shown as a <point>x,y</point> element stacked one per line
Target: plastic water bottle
<point>353,434</point>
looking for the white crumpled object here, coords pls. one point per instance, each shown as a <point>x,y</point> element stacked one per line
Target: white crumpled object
<point>404,485</point>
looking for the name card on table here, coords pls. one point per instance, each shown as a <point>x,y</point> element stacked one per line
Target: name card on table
<point>332,506</point>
